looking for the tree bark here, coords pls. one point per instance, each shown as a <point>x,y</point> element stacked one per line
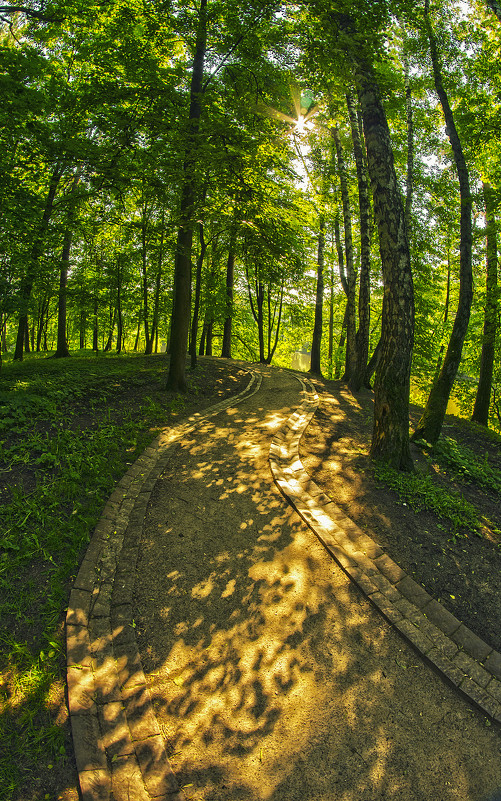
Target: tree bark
<point>62,342</point>
<point>230,277</point>
<point>198,287</point>
<point>430,424</point>
<point>351,280</point>
<point>364,301</point>
<point>180,319</point>
<point>390,438</point>
<point>483,396</point>
<point>315,366</point>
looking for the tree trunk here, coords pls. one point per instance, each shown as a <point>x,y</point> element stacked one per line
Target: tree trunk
<point>331,324</point>
<point>482,400</point>
<point>36,250</point>
<point>409,180</point>
<point>364,308</point>
<point>430,424</point>
<point>351,279</point>
<point>198,286</point>
<point>119,305</point>
<point>230,274</point>
<point>390,439</point>
<point>62,342</point>
<point>316,343</point>
<point>95,329</point>
<point>180,319</point>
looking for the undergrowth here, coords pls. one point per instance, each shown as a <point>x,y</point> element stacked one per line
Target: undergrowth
<point>65,438</point>
<point>422,493</point>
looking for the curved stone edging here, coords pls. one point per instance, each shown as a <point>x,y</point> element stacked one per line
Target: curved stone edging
<point>470,664</point>
<point>119,748</point>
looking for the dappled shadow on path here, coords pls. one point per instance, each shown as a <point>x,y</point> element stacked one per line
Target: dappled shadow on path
<point>271,677</point>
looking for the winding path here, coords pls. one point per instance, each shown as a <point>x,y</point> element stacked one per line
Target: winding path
<point>264,672</point>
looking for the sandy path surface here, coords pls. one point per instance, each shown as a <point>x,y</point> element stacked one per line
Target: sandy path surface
<point>273,679</point>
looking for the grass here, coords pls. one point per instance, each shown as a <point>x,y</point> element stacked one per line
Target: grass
<point>421,492</point>
<point>65,439</point>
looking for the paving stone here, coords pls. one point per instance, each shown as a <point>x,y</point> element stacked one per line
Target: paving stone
<point>367,546</point>
<point>89,751</point>
<point>413,592</point>
<point>157,773</point>
<point>100,636</point>
<point>102,604</point>
<point>129,667</point>
<point>493,664</point>
<point>389,568</point>
<point>442,643</point>
<point>340,555</point>
<point>441,617</point>
<point>77,646</point>
<point>95,785</point>
<point>408,609</point>
<point>115,734</point>
<point>78,608</point>
<point>386,587</point>
<point>472,669</point>
<point>127,781</point>
<point>479,696</point>
<point>141,718</point>
<point>94,548</point>
<point>386,607</point>
<point>87,575</point>
<point>106,680</point>
<point>81,690</point>
<point>472,644</point>
<point>494,689</point>
<point>366,564</point>
<point>454,674</point>
<point>104,528</point>
<point>362,581</point>
<point>415,636</point>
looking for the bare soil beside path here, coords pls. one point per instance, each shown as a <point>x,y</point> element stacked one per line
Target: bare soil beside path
<point>272,677</point>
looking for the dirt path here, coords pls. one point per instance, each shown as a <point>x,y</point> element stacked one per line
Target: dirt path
<point>272,677</point>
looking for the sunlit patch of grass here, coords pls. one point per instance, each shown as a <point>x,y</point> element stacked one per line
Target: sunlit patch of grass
<point>422,493</point>
<point>466,464</point>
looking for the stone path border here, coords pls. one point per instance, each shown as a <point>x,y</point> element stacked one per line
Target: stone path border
<point>470,664</point>
<point>119,748</point>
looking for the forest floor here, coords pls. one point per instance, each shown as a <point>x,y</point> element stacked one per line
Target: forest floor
<point>70,428</point>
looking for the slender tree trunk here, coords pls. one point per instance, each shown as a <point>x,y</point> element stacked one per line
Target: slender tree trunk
<point>95,327</point>
<point>62,342</point>
<point>230,273</point>
<point>446,318</point>
<point>331,324</point>
<point>144,278</point>
<point>29,277</point>
<point>208,338</point>
<point>341,344</point>
<point>430,424</point>
<point>315,366</point>
<point>390,439</point>
<point>483,397</point>
<point>409,181</point>
<point>120,325</point>
<point>351,279</point>
<point>156,306</point>
<point>180,319</point>
<point>198,287</point>
<point>364,308</point>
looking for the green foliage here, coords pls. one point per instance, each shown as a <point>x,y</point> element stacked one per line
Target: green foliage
<point>466,465</point>
<point>421,492</point>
